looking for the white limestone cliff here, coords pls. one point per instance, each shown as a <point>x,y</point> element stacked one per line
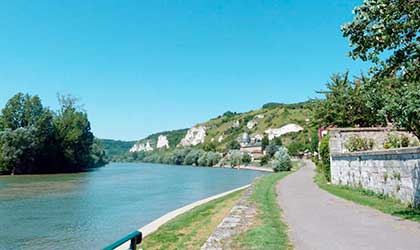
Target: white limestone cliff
<point>139,147</point>
<point>194,136</point>
<point>236,124</point>
<point>162,142</point>
<point>220,139</point>
<point>276,132</point>
<point>251,124</point>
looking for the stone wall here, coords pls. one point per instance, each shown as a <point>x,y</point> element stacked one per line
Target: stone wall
<point>340,136</point>
<point>394,172</point>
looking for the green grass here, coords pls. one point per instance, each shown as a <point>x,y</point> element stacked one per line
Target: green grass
<point>269,232</point>
<point>368,198</point>
<point>191,230</point>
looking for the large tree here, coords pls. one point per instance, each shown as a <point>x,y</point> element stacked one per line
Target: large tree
<point>387,33</point>
<point>26,124</point>
<point>73,135</point>
<point>345,104</point>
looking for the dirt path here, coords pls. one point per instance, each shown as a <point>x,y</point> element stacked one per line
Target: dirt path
<point>320,221</point>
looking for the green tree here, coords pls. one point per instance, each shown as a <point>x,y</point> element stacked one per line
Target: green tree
<point>281,161</point>
<point>345,104</point>
<point>73,136</point>
<point>246,158</point>
<point>265,141</point>
<point>98,154</point>
<point>26,112</point>
<point>235,158</point>
<point>271,149</point>
<point>387,33</point>
<point>234,145</point>
<point>18,149</point>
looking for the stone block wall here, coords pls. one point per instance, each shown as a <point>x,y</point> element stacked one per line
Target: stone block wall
<point>340,136</point>
<point>394,172</point>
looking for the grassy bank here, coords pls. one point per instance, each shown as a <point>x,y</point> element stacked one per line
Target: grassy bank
<point>268,232</point>
<point>191,230</point>
<point>370,199</point>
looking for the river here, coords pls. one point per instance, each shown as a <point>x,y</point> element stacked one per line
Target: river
<point>90,210</point>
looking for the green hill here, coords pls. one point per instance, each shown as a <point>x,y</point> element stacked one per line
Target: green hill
<point>223,131</point>
<point>173,136</point>
<point>116,148</point>
<point>274,115</point>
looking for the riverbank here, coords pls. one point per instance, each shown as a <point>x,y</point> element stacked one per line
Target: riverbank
<point>265,230</point>
<point>248,167</point>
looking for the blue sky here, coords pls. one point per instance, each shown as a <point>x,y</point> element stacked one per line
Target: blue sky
<point>146,66</point>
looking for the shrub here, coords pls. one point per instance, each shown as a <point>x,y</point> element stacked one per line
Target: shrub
<point>264,160</point>
<point>323,165</point>
<point>234,145</point>
<point>295,148</point>
<point>235,158</point>
<point>209,159</point>
<point>357,143</point>
<point>281,160</point>
<point>246,158</point>
<point>270,150</point>
<point>178,156</point>
<point>396,141</point>
<point>192,157</point>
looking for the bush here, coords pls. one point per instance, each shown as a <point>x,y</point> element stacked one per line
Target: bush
<point>357,143</point>
<point>323,165</point>
<point>234,145</point>
<point>178,156</point>
<point>246,158</point>
<point>396,141</point>
<point>209,159</point>
<point>281,160</point>
<point>264,160</point>
<point>235,158</point>
<point>192,157</point>
<point>295,148</point>
<point>270,150</point>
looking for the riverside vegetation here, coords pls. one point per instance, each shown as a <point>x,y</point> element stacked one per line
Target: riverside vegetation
<point>34,139</point>
<point>230,126</point>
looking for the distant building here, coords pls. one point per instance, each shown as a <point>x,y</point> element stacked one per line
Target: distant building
<point>244,140</point>
<point>255,150</point>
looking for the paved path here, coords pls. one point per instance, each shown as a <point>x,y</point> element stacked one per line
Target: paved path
<point>320,221</point>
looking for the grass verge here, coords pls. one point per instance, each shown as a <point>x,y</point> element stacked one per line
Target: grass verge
<point>192,229</point>
<point>268,232</point>
<point>368,198</point>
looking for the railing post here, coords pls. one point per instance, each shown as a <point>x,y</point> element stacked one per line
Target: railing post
<point>133,243</point>
<point>135,238</point>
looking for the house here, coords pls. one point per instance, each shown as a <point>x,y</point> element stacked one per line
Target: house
<point>255,150</point>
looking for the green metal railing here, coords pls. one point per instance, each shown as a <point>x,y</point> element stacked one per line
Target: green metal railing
<point>135,238</point>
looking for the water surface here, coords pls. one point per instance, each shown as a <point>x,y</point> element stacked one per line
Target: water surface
<point>90,210</point>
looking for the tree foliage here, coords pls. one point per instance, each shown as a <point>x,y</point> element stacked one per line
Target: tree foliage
<point>33,139</point>
<point>387,33</point>
<point>345,104</point>
<point>281,161</point>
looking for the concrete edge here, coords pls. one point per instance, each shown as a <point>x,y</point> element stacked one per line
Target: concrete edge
<point>156,224</point>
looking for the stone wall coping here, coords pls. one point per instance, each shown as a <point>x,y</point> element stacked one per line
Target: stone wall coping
<point>373,129</point>
<point>396,151</point>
